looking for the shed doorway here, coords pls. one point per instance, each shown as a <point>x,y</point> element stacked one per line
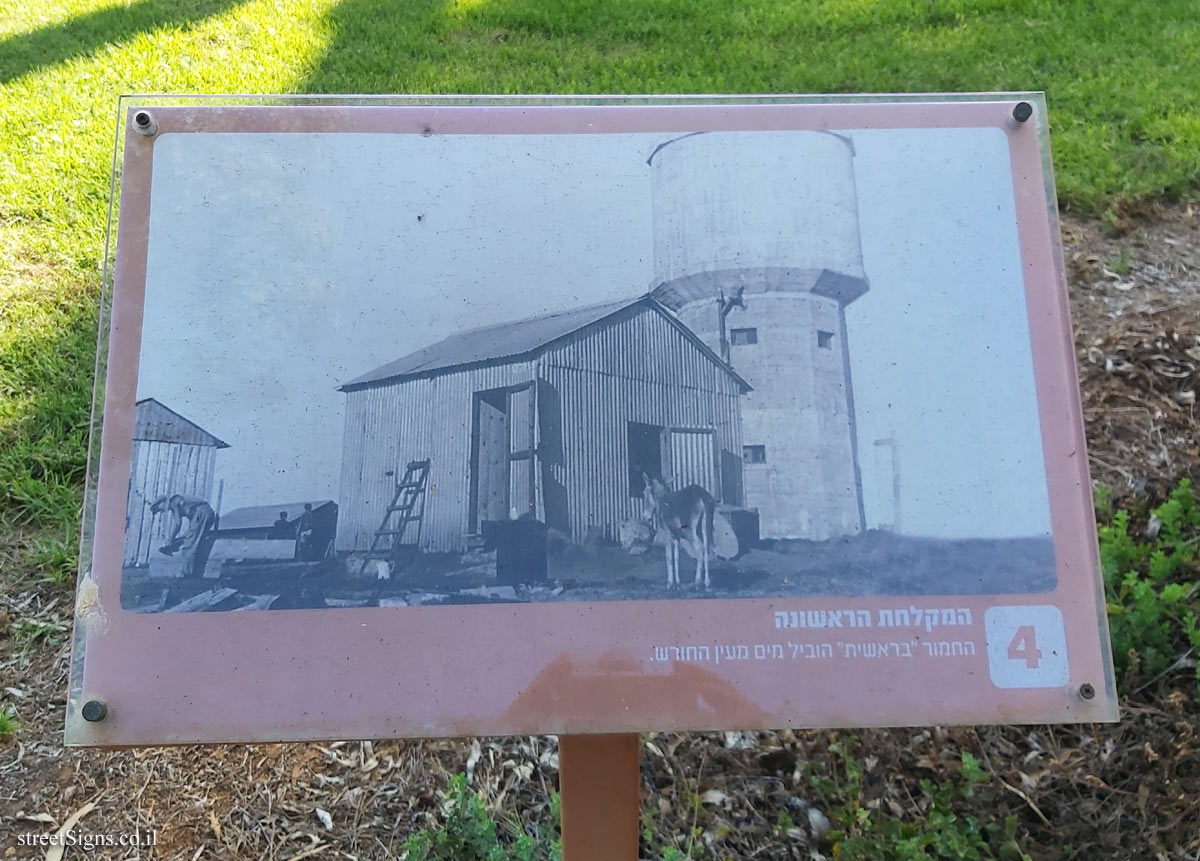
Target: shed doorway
<point>490,470</point>
<point>503,454</point>
<point>679,455</point>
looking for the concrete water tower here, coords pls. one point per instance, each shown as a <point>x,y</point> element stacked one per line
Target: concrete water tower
<point>772,218</point>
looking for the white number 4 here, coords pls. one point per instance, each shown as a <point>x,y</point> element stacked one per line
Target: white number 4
<point>1026,646</point>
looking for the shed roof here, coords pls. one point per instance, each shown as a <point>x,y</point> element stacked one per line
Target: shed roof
<point>154,422</point>
<point>519,339</point>
<point>264,516</point>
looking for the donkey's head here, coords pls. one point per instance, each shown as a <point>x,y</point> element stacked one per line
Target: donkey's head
<point>654,492</point>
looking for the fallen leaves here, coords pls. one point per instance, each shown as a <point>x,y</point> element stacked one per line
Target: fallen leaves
<point>58,847</point>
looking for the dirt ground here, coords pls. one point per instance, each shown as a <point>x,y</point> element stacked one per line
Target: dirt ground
<point>1130,790</point>
<point>871,563</point>
<point>1136,314</point>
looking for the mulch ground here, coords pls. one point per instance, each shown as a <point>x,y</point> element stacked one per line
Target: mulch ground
<point>1135,305</point>
<point>1129,790</point>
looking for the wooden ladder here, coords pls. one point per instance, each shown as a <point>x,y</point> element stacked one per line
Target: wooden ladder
<point>407,506</point>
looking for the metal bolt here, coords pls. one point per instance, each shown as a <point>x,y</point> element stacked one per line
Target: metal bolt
<point>94,710</point>
<point>144,124</point>
<point>1087,691</point>
<point>1022,111</point>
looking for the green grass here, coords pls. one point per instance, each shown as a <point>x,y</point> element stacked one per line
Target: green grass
<point>1122,80</point>
<point>62,67</point>
<point>27,633</point>
<point>9,724</point>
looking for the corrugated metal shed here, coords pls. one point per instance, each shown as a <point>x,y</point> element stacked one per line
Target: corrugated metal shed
<point>389,425</point>
<point>170,454</point>
<point>157,423</point>
<point>538,417</point>
<point>510,341</point>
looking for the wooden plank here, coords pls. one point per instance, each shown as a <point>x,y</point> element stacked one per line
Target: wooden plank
<point>253,549</point>
<point>201,601</point>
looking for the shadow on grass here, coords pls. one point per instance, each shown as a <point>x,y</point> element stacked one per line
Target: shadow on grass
<point>79,36</point>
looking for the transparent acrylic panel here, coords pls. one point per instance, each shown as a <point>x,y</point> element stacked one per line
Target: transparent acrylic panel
<point>440,416</point>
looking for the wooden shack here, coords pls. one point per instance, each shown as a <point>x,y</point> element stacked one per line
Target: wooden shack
<point>171,454</point>
<point>556,417</point>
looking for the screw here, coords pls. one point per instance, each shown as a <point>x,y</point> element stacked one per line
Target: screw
<point>144,124</point>
<point>1087,691</point>
<point>94,711</point>
<point>1022,111</point>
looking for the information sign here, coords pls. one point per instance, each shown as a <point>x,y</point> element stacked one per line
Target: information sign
<point>439,417</point>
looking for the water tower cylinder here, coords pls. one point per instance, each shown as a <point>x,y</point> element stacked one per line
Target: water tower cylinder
<point>774,214</point>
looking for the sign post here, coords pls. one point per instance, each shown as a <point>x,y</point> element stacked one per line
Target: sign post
<point>600,791</point>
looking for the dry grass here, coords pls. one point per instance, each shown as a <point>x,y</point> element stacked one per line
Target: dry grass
<point>1122,791</point>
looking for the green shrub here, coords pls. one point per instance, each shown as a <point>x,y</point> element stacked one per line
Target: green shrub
<point>942,830</point>
<point>1150,582</point>
<point>468,834</point>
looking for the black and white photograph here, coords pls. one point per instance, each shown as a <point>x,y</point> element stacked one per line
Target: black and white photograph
<point>396,370</point>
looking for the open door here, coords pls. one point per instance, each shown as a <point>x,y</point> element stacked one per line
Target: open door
<point>503,454</point>
<point>489,461</point>
<point>522,453</point>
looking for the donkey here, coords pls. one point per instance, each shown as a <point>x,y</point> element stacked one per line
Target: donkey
<point>684,515</point>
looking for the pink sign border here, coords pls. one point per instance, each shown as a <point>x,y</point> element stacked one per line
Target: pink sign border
<point>572,667</point>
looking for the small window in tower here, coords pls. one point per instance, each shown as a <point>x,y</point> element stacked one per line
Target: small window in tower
<point>743,336</point>
<point>825,340</point>
<point>754,454</point>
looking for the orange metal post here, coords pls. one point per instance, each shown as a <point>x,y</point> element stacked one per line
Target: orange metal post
<point>599,787</point>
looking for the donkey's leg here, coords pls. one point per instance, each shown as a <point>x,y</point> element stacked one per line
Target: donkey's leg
<point>704,541</point>
<point>698,549</point>
<point>666,555</point>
